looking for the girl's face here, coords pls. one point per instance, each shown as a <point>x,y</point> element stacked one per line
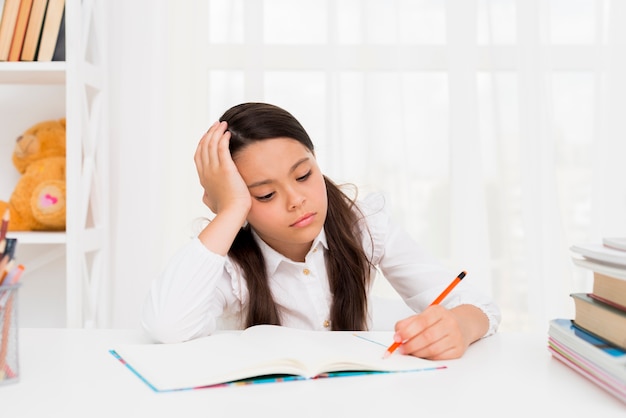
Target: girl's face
<point>289,201</point>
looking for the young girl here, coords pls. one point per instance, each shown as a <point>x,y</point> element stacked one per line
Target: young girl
<point>288,247</point>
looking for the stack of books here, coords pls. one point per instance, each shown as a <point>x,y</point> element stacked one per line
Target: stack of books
<point>593,343</point>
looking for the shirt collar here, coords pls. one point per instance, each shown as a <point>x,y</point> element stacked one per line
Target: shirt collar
<point>273,258</point>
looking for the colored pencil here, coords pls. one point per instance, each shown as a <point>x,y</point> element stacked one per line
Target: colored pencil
<point>4,261</point>
<point>5,224</point>
<point>437,301</point>
<point>6,325</point>
<point>8,275</point>
<point>9,249</point>
<point>14,274</point>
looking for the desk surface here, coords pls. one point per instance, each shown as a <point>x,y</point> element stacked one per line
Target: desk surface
<point>70,373</point>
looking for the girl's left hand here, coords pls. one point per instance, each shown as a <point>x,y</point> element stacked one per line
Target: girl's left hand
<point>436,333</point>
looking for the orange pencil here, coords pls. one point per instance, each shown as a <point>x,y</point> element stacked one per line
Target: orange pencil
<point>437,301</point>
<point>6,268</point>
<point>14,275</point>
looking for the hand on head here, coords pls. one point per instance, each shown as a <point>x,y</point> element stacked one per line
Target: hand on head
<point>224,188</point>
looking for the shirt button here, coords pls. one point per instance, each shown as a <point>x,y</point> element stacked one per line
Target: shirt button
<point>326,323</point>
<point>306,272</point>
<point>314,250</point>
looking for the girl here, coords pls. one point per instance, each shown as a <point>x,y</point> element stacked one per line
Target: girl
<point>288,247</point>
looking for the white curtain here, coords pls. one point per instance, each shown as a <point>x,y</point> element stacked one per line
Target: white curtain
<point>493,127</point>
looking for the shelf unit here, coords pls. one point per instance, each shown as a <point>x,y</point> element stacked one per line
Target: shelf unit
<point>81,80</point>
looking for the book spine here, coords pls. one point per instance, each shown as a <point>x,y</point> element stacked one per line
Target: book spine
<point>50,29</point>
<point>7,27</point>
<point>33,30</point>
<point>20,30</point>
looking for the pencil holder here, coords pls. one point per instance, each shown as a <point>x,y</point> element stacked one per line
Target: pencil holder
<point>9,361</point>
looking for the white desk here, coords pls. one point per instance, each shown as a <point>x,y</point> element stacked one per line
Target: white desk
<point>70,373</point>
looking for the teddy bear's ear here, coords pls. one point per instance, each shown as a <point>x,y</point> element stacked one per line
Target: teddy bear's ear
<point>26,148</point>
<point>42,140</point>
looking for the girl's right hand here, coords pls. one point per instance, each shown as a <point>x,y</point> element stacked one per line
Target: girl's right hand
<point>224,188</point>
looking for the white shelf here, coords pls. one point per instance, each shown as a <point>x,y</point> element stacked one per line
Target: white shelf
<point>39,237</point>
<point>79,256</point>
<point>32,72</point>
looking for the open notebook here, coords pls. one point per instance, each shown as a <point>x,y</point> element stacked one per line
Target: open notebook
<point>264,353</point>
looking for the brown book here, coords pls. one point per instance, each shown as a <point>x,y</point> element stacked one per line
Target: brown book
<point>7,26</point>
<point>609,289</point>
<point>50,30</point>
<point>33,30</point>
<point>601,319</point>
<point>20,30</point>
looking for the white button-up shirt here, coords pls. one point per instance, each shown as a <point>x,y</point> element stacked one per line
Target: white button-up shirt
<point>200,291</point>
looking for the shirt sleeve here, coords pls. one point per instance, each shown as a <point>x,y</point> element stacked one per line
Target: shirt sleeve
<point>415,274</point>
<point>191,295</point>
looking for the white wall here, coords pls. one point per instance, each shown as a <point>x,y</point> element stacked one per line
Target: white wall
<point>150,128</point>
<point>137,93</point>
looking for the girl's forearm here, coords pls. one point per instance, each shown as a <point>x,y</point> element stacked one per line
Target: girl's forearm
<point>220,233</point>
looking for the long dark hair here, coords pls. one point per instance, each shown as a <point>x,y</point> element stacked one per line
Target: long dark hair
<point>347,264</point>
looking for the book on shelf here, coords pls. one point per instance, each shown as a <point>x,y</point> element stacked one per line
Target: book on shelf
<point>59,48</point>
<point>20,30</point>
<point>7,26</point>
<point>33,30</point>
<point>601,319</point>
<point>50,30</point>
<point>617,243</point>
<point>264,353</point>
<point>592,357</point>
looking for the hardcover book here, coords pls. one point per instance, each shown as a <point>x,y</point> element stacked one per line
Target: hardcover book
<point>59,49</point>
<point>8,21</point>
<point>50,30</point>
<point>20,30</point>
<point>601,319</point>
<point>33,30</point>
<point>609,289</point>
<point>609,281</point>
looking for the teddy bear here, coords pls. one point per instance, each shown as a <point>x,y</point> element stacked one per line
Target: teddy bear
<point>37,202</point>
